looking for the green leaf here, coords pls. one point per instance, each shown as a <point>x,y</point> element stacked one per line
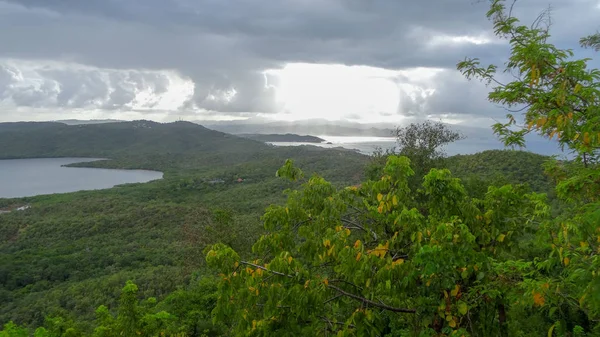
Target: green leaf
<point>462,308</point>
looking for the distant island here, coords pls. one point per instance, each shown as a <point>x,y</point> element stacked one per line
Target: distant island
<point>288,138</point>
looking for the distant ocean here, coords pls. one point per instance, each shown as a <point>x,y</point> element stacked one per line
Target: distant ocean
<point>367,145</point>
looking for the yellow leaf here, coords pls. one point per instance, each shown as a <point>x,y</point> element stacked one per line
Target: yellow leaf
<point>397,262</point>
<point>368,283</point>
<point>581,300</point>
<point>538,298</point>
<point>236,264</point>
<point>395,200</point>
<point>501,237</point>
<point>380,250</point>
<point>287,210</point>
<point>551,330</point>
<point>289,259</point>
<point>530,125</point>
<point>452,323</point>
<point>358,256</point>
<point>445,294</point>
<point>338,228</point>
<point>326,281</point>
<point>347,231</point>
<point>533,74</point>
<point>306,284</point>
<point>357,244</point>
<point>560,250</point>
<point>330,251</point>
<point>379,197</point>
<point>586,138</point>
<point>455,291</point>
<point>577,88</point>
<point>380,208</point>
<point>326,243</point>
<point>576,137</point>
<point>566,261</point>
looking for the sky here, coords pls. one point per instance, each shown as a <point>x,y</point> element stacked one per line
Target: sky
<point>369,61</point>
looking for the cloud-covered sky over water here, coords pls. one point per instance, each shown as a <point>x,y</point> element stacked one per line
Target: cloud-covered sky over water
<point>360,60</point>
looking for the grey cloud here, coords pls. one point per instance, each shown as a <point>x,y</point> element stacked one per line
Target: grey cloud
<point>56,85</point>
<point>224,45</point>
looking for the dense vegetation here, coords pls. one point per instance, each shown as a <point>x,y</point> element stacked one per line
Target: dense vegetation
<point>81,248</point>
<point>408,252</point>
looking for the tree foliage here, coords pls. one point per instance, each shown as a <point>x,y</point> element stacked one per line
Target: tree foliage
<point>559,98</point>
<point>423,142</point>
<point>364,261</point>
<point>558,95</point>
<point>374,260</point>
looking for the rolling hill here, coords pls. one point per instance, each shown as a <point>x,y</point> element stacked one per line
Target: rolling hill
<point>26,140</point>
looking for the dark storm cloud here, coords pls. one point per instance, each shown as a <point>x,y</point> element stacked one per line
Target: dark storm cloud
<point>223,46</point>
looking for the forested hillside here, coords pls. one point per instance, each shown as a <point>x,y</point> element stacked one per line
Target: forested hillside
<point>392,245</point>
<point>502,166</point>
<point>18,140</point>
<point>79,249</point>
<point>70,253</point>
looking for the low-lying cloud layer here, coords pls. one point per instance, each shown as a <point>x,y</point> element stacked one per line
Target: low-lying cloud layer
<point>208,59</point>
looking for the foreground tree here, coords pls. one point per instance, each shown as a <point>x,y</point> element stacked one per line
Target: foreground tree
<point>559,97</point>
<point>372,260</point>
<point>364,261</point>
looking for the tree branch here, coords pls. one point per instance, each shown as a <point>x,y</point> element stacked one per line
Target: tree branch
<point>367,301</point>
<point>361,228</point>
<point>343,292</point>
<point>327,320</point>
<point>266,269</point>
